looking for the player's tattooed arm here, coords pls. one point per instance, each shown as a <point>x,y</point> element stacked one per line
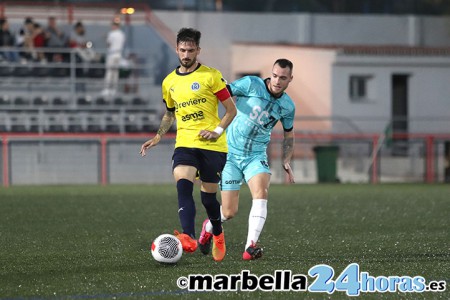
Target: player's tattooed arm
<point>166,122</point>
<point>288,150</point>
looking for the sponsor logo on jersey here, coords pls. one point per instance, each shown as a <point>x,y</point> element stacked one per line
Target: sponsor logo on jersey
<point>193,116</point>
<point>190,102</point>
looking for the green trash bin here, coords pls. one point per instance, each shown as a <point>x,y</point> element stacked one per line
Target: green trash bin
<point>326,162</point>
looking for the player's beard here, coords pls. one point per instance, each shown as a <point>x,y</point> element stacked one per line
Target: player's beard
<point>187,63</point>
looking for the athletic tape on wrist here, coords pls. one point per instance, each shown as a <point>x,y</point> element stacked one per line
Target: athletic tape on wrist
<point>218,130</point>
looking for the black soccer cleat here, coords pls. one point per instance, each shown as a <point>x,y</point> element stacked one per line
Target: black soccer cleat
<point>252,252</point>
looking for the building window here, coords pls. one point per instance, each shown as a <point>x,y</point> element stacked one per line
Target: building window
<point>359,87</point>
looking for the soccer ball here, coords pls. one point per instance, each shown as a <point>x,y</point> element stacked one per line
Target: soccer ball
<point>166,248</point>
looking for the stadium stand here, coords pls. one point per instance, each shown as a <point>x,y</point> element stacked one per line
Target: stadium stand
<point>112,122</point>
<point>65,95</point>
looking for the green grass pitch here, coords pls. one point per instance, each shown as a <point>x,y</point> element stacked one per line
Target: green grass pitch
<point>92,242</point>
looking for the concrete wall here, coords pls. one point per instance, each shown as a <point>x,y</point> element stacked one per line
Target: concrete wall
<point>78,161</point>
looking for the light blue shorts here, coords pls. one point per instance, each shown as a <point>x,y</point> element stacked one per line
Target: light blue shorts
<point>240,169</point>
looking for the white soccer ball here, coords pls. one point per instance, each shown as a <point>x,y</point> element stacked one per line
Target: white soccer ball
<point>166,248</point>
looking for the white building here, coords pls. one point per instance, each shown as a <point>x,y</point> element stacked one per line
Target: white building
<point>360,89</point>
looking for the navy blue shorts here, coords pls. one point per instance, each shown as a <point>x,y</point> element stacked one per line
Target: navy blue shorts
<point>209,164</point>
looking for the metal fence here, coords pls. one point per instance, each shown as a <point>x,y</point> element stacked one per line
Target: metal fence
<point>82,159</point>
<point>29,159</point>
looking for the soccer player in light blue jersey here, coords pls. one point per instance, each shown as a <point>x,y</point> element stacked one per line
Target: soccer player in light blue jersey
<point>261,103</point>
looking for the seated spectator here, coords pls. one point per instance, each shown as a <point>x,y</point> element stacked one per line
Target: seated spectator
<point>82,47</point>
<point>24,39</point>
<point>38,43</point>
<point>55,38</point>
<point>7,41</point>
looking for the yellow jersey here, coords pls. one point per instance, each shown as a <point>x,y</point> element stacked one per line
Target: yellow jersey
<point>192,96</point>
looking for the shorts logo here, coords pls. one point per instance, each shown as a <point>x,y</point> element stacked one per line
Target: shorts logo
<point>233,181</point>
<point>195,86</point>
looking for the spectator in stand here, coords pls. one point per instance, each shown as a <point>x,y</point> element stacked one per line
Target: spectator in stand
<point>6,41</point>
<point>38,43</point>
<point>24,39</point>
<point>55,38</point>
<point>84,54</point>
<point>82,47</point>
<point>116,42</point>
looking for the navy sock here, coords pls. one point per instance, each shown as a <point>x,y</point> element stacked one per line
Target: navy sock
<point>212,206</point>
<point>186,206</point>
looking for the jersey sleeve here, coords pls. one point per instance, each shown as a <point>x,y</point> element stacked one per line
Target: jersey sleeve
<point>168,101</point>
<point>288,119</point>
<point>217,83</point>
<point>240,87</point>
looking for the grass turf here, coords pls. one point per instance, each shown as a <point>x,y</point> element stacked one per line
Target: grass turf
<point>91,242</point>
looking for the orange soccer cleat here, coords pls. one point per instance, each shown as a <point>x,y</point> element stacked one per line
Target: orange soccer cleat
<point>219,249</point>
<point>189,244</point>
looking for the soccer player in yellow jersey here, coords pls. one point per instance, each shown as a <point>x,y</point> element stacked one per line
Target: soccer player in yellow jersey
<point>192,93</point>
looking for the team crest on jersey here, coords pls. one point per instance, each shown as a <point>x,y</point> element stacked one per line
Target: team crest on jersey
<point>195,86</point>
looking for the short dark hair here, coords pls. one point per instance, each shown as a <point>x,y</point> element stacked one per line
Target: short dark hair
<point>189,35</point>
<point>283,62</point>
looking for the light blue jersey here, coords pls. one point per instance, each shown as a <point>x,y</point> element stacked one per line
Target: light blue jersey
<point>257,113</point>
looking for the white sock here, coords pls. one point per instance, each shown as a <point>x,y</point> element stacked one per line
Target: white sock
<point>256,220</point>
<point>209,226</point>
